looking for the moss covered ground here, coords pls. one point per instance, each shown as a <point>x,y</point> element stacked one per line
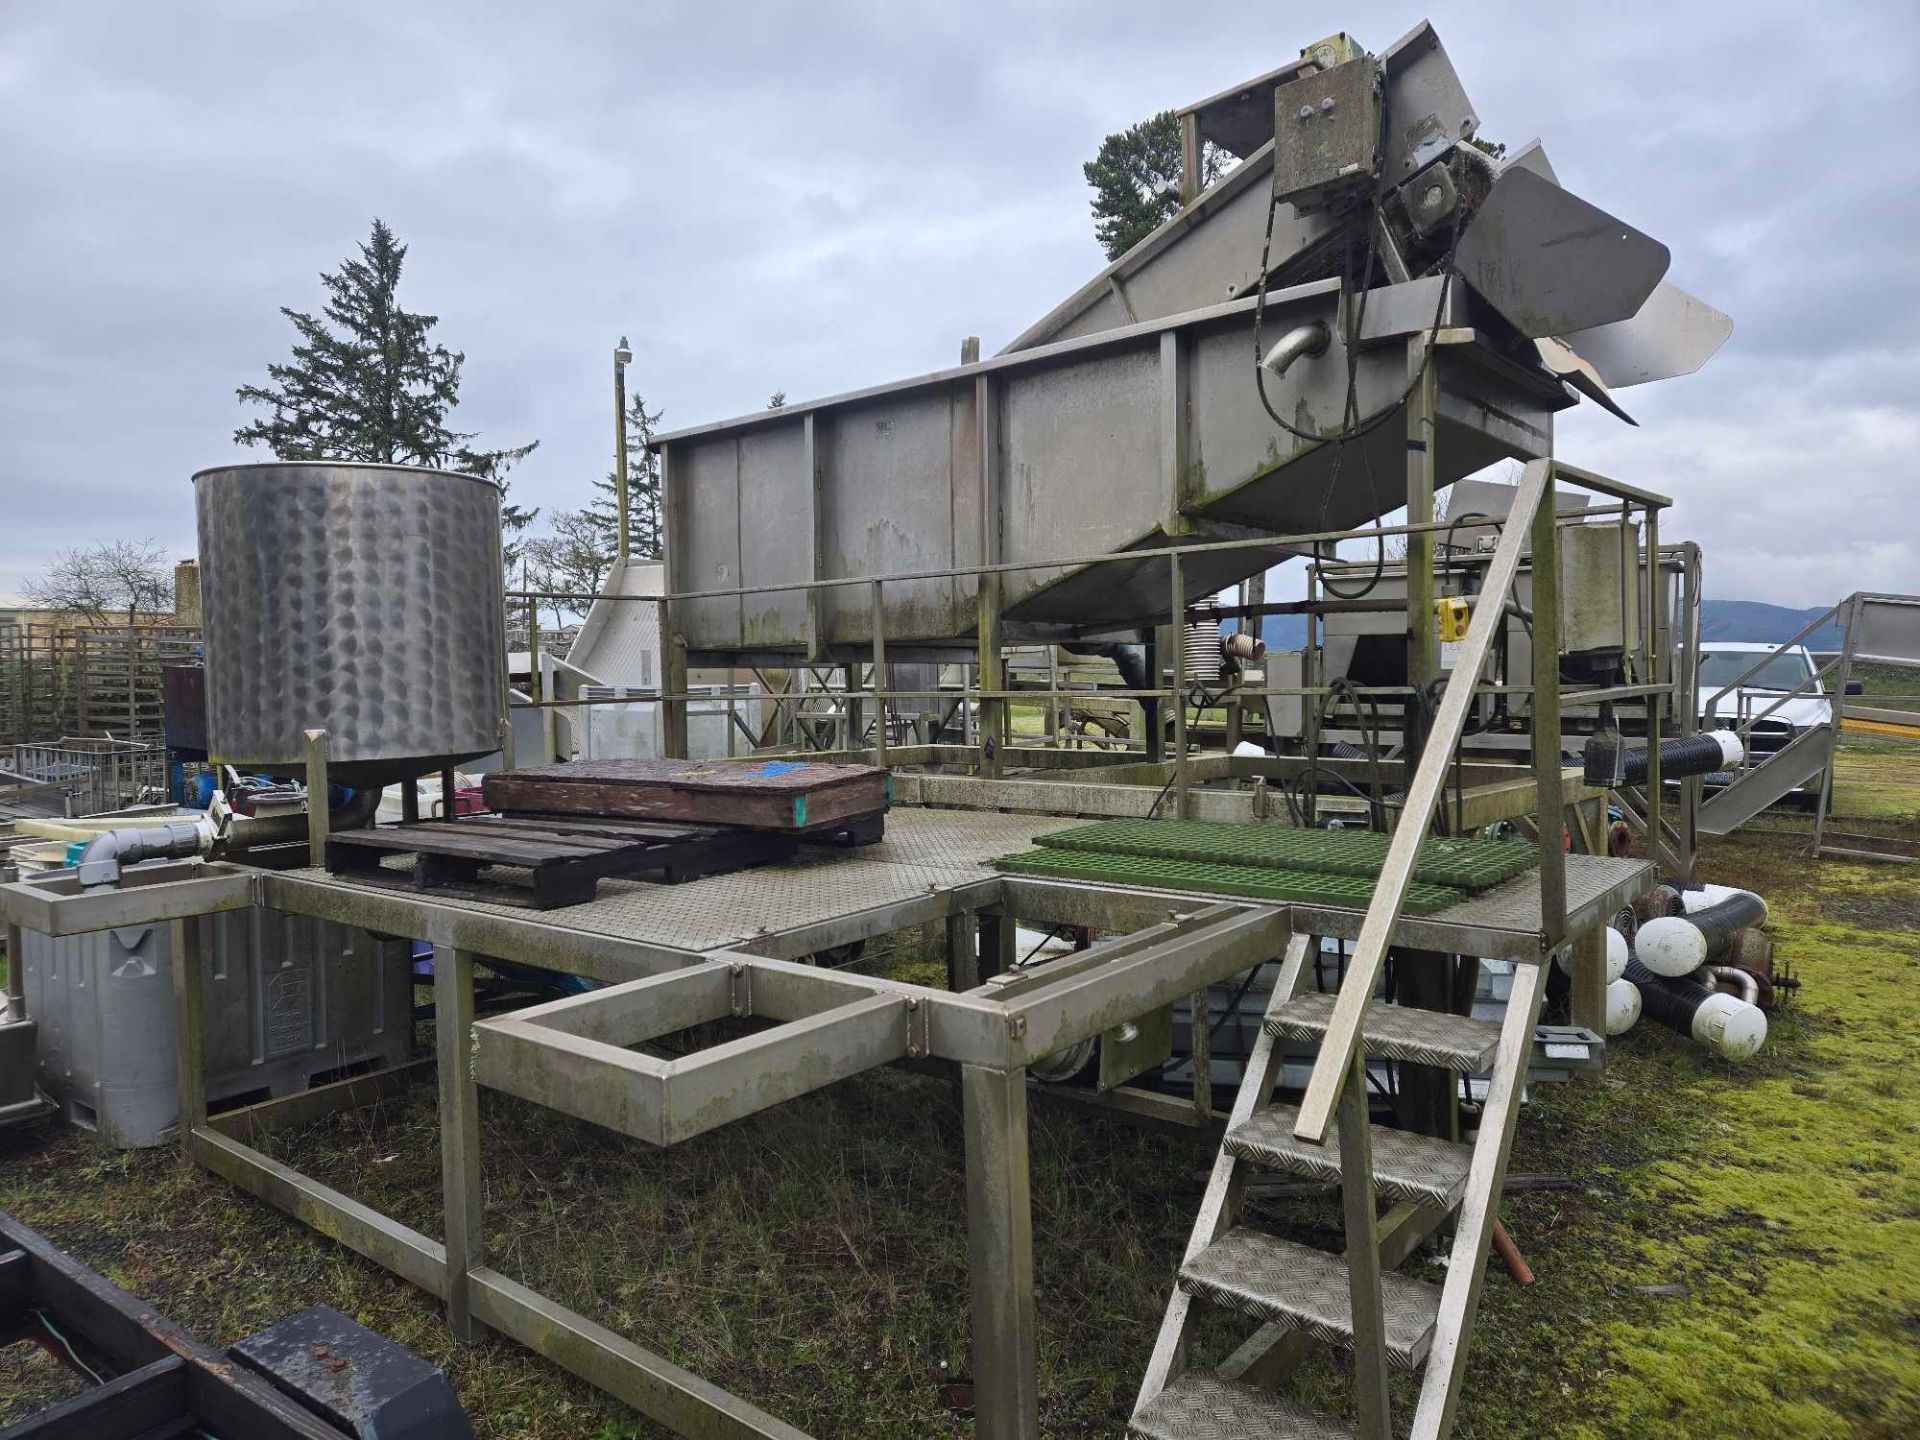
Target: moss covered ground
<point>1741,1256</point>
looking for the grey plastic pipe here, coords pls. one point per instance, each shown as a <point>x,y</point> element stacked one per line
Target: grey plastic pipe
<point>107,852</point>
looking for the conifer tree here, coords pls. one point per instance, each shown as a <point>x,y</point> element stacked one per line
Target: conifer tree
<point>367,382</point>
<point>1136,180</point>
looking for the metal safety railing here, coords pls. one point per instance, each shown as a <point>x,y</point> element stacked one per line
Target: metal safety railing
<point>1747,722</point>
<point>992,698</point>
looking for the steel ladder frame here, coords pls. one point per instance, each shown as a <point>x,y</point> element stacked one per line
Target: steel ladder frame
<point>1338,1082</point>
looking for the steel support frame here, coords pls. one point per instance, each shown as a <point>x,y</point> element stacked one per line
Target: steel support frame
<point>992,1030</point>
<point>1040,1013</point>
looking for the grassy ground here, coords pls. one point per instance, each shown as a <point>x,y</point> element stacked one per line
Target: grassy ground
<point>814,1258</point>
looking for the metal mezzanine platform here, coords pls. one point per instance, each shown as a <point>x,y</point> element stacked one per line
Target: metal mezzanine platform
<point>931,864</point>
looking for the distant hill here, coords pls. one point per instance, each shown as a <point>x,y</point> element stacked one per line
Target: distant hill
<point>1753,620</point>
<point>1284,632</point>
<point>1756,620</point>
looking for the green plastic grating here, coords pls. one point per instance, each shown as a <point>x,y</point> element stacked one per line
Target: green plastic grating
<point>1252,882</point>
<point>1467,864</point>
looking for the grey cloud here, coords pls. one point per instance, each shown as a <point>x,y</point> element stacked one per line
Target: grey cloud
<point>811,198</point>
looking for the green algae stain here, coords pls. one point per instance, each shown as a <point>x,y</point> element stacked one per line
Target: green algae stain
<point>1791,1212</point>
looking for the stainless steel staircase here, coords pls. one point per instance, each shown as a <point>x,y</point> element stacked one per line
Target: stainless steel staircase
<point>1806,755</point>
<point>1294,1287</point>
<point>1758,786</point>
<point>1359,1301</point>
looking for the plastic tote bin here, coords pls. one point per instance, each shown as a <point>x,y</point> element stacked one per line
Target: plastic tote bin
<point>289,1000</point>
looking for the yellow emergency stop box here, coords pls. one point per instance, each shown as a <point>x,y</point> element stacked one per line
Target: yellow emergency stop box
<point>1450,617</point>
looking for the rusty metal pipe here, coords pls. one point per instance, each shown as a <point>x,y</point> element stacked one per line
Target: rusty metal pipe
<point>1748,987</point>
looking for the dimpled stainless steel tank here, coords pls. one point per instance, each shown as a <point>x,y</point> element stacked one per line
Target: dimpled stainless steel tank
<point>364,600</point>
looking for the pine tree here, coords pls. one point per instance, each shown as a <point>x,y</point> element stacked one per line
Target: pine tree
<point>367,382</point>
<point>1136,180</point>
<point>644,534</point>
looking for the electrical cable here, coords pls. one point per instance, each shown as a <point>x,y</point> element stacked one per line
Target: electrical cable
<point>1214,1029</point>
<point>1154,811</point>
<point>1352,427</point>
<point>67,1345</point>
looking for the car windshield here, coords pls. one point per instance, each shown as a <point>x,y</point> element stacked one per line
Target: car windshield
<point>1720,668</point>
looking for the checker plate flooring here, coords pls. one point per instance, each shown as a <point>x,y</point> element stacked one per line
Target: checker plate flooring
<point>924,850</point>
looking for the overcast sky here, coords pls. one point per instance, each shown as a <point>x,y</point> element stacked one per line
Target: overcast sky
<point>815,197</point>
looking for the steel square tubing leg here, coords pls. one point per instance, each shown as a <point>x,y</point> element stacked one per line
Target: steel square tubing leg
<point>1373,1413</point>
<point>1661,667</point>
<point>1000,1254</point>
<point>1837,713</point>
<point>189,1009</point>
<point>16,974</point>
<point>1546,725</point>
<point>999,943</point>
<point>1588,1002</point>
<point>462,1197</point>
<point>317,789</point>
<point>879,677</point>
<point>1177,620</point>
<point>963,950</point>
<point>1200,1047</point>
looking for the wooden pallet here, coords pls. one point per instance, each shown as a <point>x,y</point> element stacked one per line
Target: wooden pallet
<point>566,856</point>
<point>788,796</point>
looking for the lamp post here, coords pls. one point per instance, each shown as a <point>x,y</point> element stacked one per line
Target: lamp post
<point>621,358</point>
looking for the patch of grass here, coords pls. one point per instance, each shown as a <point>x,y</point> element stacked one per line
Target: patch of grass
<point>1877,779</point>
<point>1898,685</point>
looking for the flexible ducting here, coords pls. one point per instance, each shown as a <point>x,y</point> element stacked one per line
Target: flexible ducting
<point>1725,1024</point>
<point>1702,754</point>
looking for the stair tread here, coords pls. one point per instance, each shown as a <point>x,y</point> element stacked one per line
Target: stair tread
<point>1406,1166</point>
<point>1200,1405</point>
<point>1297,1286</point>
<point>1396,1032</point>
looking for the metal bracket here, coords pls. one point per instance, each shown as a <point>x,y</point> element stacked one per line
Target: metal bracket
<point>919,1029</point>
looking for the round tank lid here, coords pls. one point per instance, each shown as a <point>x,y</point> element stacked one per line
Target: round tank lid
<point>258,465</point>
<point>1730,1025</point>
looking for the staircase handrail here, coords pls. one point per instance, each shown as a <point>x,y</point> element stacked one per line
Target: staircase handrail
<point>1335,1062</point>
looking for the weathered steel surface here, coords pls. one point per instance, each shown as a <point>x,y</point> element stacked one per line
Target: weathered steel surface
<point>1553,263</point>
<point>1273,1279</point>
<point>1120,440</point>
<point>667,1101</point>
<point>365,600</point>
